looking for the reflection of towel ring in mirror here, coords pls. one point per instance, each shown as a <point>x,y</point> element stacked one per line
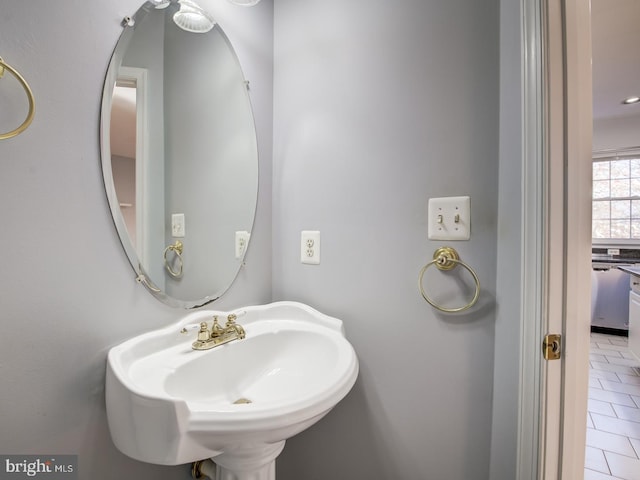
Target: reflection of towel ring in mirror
<point>177,249</point>
<point>446,258</point>
<point>27,89</point>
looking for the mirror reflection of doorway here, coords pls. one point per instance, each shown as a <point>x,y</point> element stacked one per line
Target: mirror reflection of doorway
<point>123,151</point>
<point>129,154</point>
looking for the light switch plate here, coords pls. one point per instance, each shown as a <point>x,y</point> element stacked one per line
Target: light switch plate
<point>177,225</point>
<point>449,218</point>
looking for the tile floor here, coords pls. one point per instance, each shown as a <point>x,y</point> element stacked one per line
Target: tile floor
<point>613,420</point>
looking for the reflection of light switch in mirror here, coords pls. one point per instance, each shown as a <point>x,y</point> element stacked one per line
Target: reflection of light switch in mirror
<point>449,218</point>
<point>177,225</point>
<point>242,239</point>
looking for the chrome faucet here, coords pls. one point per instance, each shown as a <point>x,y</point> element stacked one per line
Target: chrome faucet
<point>218,335</point>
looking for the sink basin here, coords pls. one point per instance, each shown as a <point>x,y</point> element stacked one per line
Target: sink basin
<point>236,403</point>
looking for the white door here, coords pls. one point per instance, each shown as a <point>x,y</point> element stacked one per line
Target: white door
<point>567,259</point>
<point>557,230</point>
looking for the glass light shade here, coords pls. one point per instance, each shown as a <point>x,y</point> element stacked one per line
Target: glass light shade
<point>192,18</point>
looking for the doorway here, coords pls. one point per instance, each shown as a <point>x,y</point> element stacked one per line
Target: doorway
<point>557,175</point>
<point>613,418</point>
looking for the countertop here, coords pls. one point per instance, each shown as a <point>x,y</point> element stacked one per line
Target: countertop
<point>630,269</point>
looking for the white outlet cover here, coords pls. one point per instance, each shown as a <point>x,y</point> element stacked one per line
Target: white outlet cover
<point>450,218</point>
<point>241,243</point>
<point>310,247</point>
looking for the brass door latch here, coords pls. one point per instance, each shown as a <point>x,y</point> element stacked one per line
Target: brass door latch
<point>552,346</point>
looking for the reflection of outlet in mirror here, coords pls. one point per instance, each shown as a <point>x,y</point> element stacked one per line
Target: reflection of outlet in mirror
<point>177,225</point>
<point>310,247</point>
<point>449,218</point>
<point>242,240</point>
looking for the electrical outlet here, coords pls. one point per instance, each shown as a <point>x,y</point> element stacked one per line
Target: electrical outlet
<point>177,225</point>
<point>449,218</point>
<point>310,247</point>
<point>242,240</point>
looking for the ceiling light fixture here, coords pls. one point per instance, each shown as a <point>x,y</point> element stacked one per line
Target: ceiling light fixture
<point>631,100</point>
<point>192,18</point>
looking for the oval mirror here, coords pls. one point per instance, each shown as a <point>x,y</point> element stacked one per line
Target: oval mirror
<point>179,152</point>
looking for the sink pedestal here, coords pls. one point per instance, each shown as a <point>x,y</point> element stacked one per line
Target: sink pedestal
<point>255,463</point>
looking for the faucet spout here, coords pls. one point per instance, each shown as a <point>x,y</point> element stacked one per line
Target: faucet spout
<point>236,330</point>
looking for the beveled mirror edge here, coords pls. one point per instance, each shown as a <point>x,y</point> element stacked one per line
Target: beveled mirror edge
<point>107,174</point>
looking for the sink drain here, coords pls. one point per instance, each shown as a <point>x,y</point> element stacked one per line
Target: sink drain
<point>242,400</point>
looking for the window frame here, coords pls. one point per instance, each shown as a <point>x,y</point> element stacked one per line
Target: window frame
<point>630,153</point>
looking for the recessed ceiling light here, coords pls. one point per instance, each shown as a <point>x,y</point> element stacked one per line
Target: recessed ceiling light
<point>630,100</point>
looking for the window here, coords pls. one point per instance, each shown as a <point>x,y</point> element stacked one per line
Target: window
<point>616,198</point>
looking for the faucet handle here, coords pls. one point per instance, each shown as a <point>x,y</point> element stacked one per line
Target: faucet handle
<point>188,328</point>
<point>232,317</point>
<point>204,333</point>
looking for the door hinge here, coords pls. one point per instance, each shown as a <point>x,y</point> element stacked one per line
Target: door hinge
<point>552,346</point>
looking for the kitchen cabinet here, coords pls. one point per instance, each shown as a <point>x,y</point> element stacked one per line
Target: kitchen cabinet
<point>634,309</point>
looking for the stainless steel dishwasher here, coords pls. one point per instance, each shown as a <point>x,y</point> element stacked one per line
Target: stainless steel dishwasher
<point>611,310</point>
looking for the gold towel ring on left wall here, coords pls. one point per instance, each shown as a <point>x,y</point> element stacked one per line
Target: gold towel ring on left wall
<point>32,106</point>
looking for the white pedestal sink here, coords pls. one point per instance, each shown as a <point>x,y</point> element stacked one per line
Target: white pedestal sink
<point>236,403</point>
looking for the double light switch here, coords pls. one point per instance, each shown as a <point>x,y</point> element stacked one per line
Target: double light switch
<point>449,218</point>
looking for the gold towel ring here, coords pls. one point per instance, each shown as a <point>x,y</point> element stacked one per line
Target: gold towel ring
<point>446,258</point>
<point>177,249</point>
<point>32,102</point>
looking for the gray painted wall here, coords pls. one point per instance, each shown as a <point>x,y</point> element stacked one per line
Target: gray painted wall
<point>378,106</point>
<point>67,291</point>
